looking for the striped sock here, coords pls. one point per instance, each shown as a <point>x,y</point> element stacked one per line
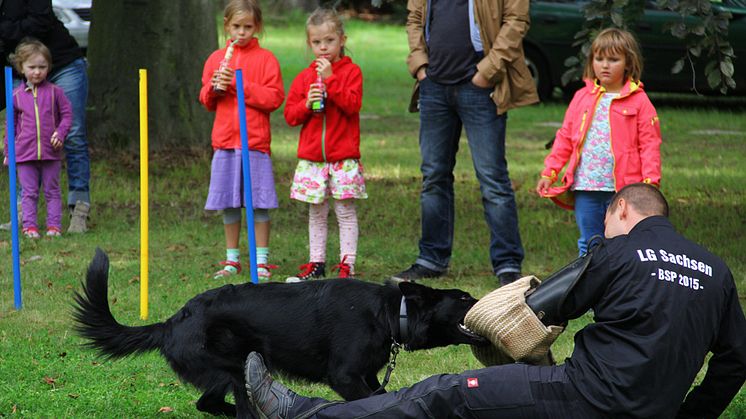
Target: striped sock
<point>262,255</point>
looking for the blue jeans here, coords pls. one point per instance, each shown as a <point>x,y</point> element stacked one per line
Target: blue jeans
<point>590,211</point>
<point>444,109</point>
<point>73,80</point>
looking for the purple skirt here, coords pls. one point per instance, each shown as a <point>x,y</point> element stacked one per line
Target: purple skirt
<point>226,182</point>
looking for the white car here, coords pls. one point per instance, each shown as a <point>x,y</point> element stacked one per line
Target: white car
<point>76,16</point>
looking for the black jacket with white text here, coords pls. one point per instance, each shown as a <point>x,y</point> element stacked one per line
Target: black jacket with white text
<point>660,304</point>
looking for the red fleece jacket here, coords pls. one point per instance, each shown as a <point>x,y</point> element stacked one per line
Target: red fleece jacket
<point>340,122</point>
<point>263,91</point>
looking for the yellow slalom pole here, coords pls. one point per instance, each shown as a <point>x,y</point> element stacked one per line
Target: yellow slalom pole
<point>143,194</point>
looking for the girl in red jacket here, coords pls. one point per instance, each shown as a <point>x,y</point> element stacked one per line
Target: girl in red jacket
<point>325,98</point>
<point>264,93</point>
<point>610,136</point>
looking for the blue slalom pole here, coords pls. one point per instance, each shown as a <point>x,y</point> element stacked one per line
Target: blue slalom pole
<point>246,176</point>
<point>11,134</point>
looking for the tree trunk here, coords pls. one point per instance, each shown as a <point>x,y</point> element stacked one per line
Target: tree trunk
<point>171,40</point>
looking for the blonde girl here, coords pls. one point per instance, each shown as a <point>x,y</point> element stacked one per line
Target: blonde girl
<point>329,146</point>
<point>264,93</point>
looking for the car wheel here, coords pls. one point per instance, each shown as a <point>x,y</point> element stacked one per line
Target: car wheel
<point>539,69</point>
<point>569,90</point>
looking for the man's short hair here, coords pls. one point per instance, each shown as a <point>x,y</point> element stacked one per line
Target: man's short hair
<point>643,197</point>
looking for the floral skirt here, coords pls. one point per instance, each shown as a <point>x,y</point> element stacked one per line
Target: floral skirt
<point>314,182</point>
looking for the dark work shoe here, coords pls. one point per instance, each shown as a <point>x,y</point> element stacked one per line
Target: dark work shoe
<point>416,272</point>
<point>268,398</point>
<point>508,277</point>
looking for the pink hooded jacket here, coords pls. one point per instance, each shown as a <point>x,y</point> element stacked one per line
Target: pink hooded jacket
<point>39,111</point>
<point>635,140</point>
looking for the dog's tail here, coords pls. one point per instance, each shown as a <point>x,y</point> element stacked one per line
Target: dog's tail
<point>95,322</point>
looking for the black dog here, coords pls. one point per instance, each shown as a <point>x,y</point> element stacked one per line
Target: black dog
<point>336,331</point>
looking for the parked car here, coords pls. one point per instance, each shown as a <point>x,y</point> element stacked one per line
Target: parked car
<point>554,24</point>
<point>76,16</point>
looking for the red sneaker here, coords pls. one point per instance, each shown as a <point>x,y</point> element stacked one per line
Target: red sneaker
<point>346,270</point>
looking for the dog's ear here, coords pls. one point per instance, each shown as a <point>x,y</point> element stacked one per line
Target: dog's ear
<point>414,292</point>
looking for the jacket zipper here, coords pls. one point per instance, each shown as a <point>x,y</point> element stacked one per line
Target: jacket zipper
<point>323,136</point>
<point>38,125</point>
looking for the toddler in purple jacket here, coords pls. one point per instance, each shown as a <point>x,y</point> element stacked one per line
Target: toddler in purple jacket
<point>42,117</point>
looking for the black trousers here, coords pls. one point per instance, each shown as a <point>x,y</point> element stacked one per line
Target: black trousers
<point>508,391</point>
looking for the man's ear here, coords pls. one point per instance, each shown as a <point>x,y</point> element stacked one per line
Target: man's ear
<point>622,209</point>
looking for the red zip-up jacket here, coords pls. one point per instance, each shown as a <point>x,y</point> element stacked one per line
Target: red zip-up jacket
<point>263,90</point>
<point>635,140</point>
<point>339,123</point>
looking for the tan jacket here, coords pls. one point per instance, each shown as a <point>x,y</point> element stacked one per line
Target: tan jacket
<point>502,26</point>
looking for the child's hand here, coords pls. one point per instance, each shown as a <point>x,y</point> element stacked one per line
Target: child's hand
<point>56,141</point>
<point>315,94</point>
<point>542,187</point>
<point>324,67</point>
<point>222,78</point>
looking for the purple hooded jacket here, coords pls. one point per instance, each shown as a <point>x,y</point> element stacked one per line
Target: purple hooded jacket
<point>54,114</point>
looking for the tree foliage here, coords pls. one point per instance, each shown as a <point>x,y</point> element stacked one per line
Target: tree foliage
<point>706,36</point>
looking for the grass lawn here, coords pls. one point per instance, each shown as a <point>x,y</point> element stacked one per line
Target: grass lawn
<point>44,372</point>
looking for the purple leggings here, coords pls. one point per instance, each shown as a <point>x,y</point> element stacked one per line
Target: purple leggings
<point>47,173</point>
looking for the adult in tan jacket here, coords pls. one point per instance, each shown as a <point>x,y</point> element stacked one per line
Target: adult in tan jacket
<point>467,57</point>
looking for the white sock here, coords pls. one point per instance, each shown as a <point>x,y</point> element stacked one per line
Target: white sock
<point>232,255</point>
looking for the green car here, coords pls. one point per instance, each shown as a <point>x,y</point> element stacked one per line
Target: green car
<point>554,24</point>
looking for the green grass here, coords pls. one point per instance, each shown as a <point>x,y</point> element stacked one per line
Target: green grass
<point>44,372</point>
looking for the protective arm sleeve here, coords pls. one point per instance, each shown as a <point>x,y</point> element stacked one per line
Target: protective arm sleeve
<point>591,285</point>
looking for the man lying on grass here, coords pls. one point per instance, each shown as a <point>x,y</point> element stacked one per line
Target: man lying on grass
<point>656,318</point>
